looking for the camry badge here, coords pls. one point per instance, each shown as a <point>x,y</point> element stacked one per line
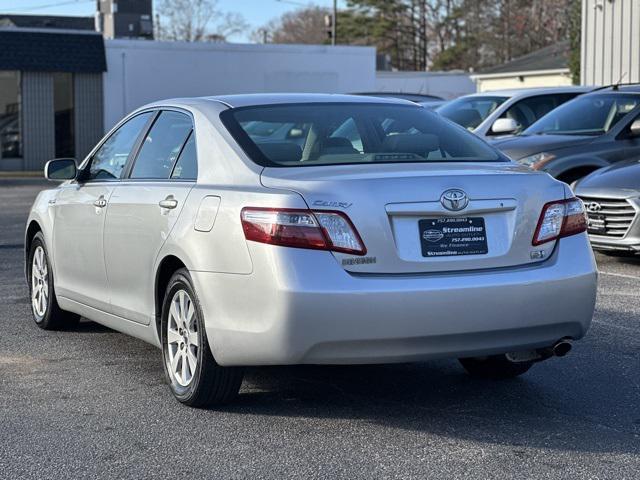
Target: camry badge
<point>454,200</point>
<point>593,207</point>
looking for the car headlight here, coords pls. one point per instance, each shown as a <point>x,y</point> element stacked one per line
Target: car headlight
<point>537,161</point>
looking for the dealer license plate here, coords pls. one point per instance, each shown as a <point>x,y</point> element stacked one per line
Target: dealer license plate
<point>442,237</point>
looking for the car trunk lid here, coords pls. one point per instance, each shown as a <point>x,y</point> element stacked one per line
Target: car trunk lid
<point>398,212</point>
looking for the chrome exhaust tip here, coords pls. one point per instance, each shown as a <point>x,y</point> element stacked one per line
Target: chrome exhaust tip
<point>561,348</point>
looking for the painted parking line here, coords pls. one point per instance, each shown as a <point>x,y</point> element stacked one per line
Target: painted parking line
<point>621,275</point>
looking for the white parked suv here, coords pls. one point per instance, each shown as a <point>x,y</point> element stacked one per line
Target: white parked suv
<point>506,112</point>
<point>309,229</point>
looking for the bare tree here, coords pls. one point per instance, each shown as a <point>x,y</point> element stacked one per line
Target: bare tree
<point>196,21</point>
<point>306,25</point>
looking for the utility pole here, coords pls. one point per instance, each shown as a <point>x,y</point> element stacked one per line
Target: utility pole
<point>334,24</point>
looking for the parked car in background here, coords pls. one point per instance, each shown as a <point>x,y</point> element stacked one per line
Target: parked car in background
<point>612,199</point>
<point>587,133</point>
<point>429,101</point>
<point>506,112</point>
<point>185,228</point>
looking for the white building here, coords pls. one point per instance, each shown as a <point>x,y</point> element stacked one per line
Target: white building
<point>140,72</point>
<point>610,42</point>
<point>547,67</point>
<point>62,88</point>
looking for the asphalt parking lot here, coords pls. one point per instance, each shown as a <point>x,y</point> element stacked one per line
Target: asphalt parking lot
<point>92,403</point>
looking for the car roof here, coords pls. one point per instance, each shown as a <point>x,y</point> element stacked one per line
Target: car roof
<point>617,89</point>
<point>405,95</point>
<point>255,99</point>
<point>259,99</point>
<point>527,92</point>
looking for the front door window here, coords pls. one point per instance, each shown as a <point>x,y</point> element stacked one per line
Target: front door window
<point>110,159</point>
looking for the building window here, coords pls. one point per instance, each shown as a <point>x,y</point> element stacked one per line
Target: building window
<point>64,111</point>
<point>10,127</point>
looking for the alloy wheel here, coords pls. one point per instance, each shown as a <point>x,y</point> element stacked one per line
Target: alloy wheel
<point>182,338</point>
<point>39,283</point>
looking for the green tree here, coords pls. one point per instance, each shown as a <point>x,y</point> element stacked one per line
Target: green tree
<point>443,34</point>
<point>575,34</point>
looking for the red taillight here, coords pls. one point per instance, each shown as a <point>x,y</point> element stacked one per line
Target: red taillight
<point>559,219</point>
<point>320,230</point>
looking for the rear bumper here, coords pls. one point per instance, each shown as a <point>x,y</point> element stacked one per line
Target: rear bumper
<point>300,306</point>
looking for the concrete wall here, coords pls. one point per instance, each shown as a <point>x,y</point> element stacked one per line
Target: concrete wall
<point>487,83</point>
<point>140,72</point>
<point>447,85</point>
<point>610,41</point>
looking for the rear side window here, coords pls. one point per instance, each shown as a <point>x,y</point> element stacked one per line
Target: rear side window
<point>109,161</point>
<point>187,165</point>
<point>353,133</point>
<point>161,146</point>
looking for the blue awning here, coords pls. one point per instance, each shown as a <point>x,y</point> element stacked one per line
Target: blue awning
<point>41,51</point>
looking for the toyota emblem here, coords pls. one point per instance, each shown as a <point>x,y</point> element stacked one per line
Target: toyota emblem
<point>454,200</point>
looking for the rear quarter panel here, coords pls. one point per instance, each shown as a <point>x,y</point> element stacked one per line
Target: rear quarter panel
<point>223,249</point>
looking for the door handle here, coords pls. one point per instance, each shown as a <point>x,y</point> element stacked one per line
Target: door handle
<point>100,203</point>
<point>168,202</point>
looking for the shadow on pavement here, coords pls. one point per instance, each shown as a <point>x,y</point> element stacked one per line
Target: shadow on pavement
<point>439,398</point>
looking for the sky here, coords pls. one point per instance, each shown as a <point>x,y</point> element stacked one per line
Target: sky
<point>255,12</point>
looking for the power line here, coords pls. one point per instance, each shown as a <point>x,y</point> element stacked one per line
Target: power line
<point>50,5</point>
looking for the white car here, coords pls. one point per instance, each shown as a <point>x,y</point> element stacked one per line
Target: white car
<point>371,231</point>
<point>506,112</point>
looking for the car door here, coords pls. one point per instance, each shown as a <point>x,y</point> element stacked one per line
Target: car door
<point>144,208</point>
<point>630,143</point>
<point>80,209</point>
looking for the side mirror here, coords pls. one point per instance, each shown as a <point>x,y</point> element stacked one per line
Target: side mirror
<point>634,128</point>
<point>505,126</point>
<point>60,169</point>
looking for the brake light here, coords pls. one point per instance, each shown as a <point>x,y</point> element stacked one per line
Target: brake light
<point>559,219</point>
<point>319,230</point>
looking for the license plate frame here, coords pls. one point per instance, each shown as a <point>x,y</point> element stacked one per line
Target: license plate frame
<point>452,236</point>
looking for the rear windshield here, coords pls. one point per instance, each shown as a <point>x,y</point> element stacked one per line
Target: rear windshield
<point>350,133</point>
<point>470,112</point>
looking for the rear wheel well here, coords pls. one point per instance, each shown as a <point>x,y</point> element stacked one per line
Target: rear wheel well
<point>167,268</point>
<point>577,173</point>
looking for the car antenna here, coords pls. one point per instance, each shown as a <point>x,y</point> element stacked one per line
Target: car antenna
<point>616,85</point>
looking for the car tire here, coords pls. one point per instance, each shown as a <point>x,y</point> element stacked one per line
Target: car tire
<point>195,378</point>
<point>44,306</point>
<point>495,367</point>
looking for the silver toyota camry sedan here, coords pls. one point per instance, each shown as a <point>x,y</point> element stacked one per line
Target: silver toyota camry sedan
<point>309,229</point>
